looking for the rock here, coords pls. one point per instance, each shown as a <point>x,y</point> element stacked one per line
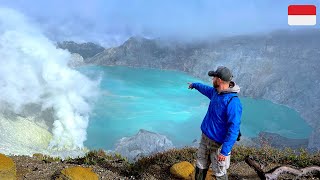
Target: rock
<point>75,173</point>
<point>209,174</point>
<point>182,169</point>
<point>144,143</point>
<point>7,168</point>
<point>86,50</point>
<point>76,60</point>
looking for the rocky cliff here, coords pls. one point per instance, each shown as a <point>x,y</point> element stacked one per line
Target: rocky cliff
<point>86,50</point>
<point>281,66</point>
<point>76,60</point>
<point>144,143</point>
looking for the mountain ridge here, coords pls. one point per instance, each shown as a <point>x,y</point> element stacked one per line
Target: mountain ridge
<point>86,50</point>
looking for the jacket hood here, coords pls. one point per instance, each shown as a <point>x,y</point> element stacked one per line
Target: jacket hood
<point>233,88</point>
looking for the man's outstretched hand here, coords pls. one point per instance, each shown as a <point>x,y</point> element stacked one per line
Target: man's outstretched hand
<point>190,86</point>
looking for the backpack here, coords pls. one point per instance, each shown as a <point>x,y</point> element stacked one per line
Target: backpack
<point>239,135</point>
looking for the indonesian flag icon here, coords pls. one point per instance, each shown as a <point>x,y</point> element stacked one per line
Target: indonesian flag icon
<point>302,15</point>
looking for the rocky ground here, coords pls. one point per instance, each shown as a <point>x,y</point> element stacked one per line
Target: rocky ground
<point>33,168</point>
<point>158,165</point>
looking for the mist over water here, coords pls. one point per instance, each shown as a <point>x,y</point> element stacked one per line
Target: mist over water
<point>36,85</point>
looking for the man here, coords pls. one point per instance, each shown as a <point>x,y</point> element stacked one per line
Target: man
<point>221,125</point>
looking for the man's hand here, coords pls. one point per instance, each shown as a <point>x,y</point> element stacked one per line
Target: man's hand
<point>190,86</point>
<point>221,157</point>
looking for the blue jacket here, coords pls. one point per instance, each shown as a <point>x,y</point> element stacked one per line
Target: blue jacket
<point>222,121</point>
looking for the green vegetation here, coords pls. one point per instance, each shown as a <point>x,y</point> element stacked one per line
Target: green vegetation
<point>96,157</point>
<point>159,164</point>
<point>46,158</point>
<point>298,158</point>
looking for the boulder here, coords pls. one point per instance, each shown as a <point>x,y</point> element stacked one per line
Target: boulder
<point>75,173</point>
<point>144,143</point>
<point>7,168</point>
<point>182,170</point>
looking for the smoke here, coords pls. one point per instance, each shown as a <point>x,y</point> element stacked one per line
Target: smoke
<point>34,71</point>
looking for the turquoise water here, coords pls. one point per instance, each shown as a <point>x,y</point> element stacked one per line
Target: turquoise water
<point>159,101</point>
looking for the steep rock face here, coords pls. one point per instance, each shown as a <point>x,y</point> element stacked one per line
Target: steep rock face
<point>140,52</point>
<point>76,60</point>
<point>86,50</point>
<point>142,144</point>
<point>281,66</point>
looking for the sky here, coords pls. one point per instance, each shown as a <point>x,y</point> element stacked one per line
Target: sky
<point>110,22</point>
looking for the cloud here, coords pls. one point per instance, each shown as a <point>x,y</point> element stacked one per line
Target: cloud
<point>110,22</point>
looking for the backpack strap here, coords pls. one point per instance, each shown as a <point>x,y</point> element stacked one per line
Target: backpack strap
<point>239,135</point>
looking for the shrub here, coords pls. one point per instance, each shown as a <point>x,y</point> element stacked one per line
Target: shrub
<point>299,158</point>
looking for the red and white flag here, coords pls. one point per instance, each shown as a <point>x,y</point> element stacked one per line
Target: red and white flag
<point>303,15</point>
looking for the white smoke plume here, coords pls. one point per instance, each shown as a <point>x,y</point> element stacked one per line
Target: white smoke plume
<point>34,71</point>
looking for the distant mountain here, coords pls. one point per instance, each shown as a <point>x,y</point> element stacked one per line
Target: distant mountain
<point>141,52</point>
<point>282,66</point>
<point>86,50</point>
